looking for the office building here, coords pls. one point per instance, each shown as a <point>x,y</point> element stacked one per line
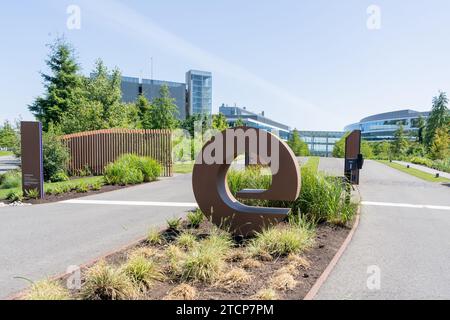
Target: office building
<point>192,97</point>
<point>254,120</point>
<point>382,127</point>
<point>199,92</point>
<point>321,143</point>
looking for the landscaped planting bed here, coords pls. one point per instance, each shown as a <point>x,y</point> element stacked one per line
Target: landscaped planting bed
<point>195,259</point>
<point>204,262</point>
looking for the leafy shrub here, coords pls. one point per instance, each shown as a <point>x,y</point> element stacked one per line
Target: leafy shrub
<point>121,174</point>
<point>47,290</point>
<point>32,194</point>
<point>60,176</point>
<point>104,282</point>
<point>55,154</point>
<point>82,188</point>
<point>195,218</point>
<point>11,179</point>
<point>15,196</point>
<point>97,186</point>
<point>422,161</point>
<point>442,165</point>
<point>131,169</point>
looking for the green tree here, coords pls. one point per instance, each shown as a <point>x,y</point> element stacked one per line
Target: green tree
<point>164,111</point>
<point>55,154</point>
<point>219,122</point>
<point>9,137</point>
<point>339,148</point>
<point>440,148</point>
<point>400,143</point>
<point>421,125</point>
<point>239,123</point>
<point>60,84</point>
<point>439,118</point>
<point>298,146</point>
<point>144,111</point>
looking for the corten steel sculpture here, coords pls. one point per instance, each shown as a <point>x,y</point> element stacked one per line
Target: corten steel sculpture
<point>210,180</point>
<point>354,160</point>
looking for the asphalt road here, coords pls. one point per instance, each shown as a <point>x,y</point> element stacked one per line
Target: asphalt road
<point>8,163</point>
<point>408,248</point>
<point>43,240</point>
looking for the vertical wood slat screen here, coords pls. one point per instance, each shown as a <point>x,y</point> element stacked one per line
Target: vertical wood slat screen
<point>96,149</point>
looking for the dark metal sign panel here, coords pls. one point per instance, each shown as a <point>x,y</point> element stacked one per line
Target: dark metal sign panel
<point>353,158</point>
<point>32,157</point>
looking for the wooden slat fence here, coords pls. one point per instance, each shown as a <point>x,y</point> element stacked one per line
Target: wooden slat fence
<point>96,149</point>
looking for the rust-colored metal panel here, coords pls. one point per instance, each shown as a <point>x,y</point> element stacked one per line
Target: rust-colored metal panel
<point>353,157</point>
<point>32,157</point>
<point>211,188</point>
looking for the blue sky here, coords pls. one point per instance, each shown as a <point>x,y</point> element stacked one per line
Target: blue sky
<point>313,65</point>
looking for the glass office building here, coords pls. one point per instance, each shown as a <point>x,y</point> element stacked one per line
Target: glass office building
<point>321,143</point>
<point>382,127</point>
<point>199,88</point>
<point>192,97</point>
<point>254,120</point>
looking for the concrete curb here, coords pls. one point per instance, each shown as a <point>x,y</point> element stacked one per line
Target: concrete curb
<point>319,283</point>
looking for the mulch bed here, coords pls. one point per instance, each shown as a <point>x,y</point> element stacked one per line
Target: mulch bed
<point>329,239</point>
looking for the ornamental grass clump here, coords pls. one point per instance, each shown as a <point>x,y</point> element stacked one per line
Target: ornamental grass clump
<point>142,271</point>
<point>47,290</point>
<point>206,260</point>
<point>281,240</point>
<point>104,282</point>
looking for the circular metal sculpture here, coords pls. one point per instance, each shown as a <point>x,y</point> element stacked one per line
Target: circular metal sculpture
<point>210,179</point>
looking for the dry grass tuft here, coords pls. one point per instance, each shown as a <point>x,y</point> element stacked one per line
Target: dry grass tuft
<point>104,282</point>
<point>299,261</point>
<point>182,292</point>
<point>175,257</point>
<point>234,278</point>
<point>265,294</point>
<point>250,264</point>
<point>146,252</point>
<point>47,290</point>
<point>283,282</point>
<point>289,269</point>
<point>236,256</point>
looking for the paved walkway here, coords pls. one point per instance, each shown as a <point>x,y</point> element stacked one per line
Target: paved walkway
<point>409,246</point>
<point>425,169</point>
<point>43,240</point>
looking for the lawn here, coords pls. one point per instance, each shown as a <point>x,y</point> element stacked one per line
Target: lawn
<point>183,168</point>
<point>415,172</point>
<point>5,153</point>
<point>88,180</point>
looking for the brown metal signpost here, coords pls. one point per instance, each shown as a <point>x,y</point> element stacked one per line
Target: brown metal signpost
<point>353,158</point>
<point>210,179</point>
<point>32,157</point>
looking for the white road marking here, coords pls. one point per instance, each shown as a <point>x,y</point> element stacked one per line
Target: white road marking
<point>133,203</point>
<point>404,205</point>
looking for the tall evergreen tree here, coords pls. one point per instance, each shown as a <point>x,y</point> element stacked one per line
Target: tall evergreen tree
<point>439,118</point>
<point>400,143</point>
<point>164,111</point>
<point>144,111</point>
<point>60,84</point>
